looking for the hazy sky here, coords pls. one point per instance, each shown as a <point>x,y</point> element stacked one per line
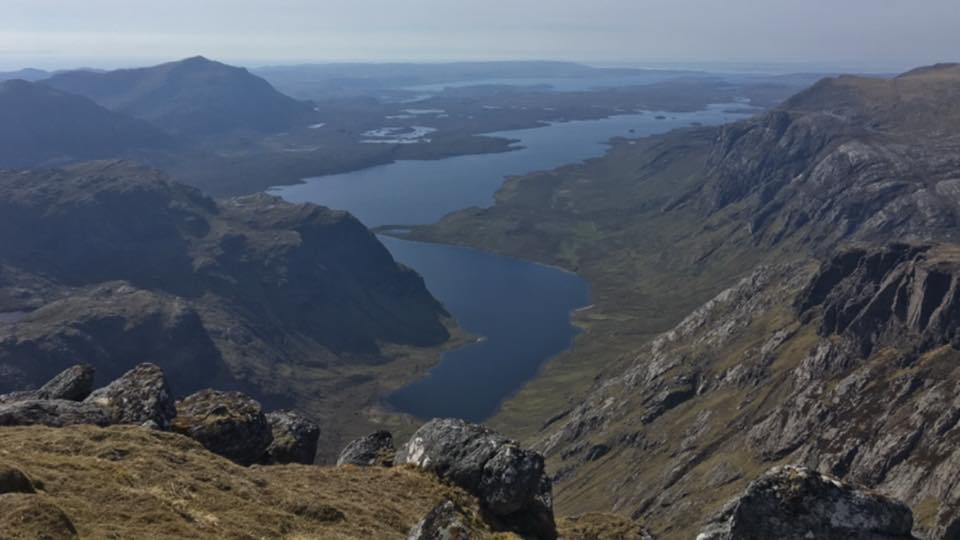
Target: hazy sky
<point>107,33</point>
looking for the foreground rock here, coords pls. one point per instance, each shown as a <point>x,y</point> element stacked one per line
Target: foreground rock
<point>72,384</point>
<point>510,482</point>
<point>445,522</point>
<point>797,503</point>
<point>140,396</point>
<point>227,423</point>
<point>294,438</point>
<point>53,413</point>
<point>375,449</point>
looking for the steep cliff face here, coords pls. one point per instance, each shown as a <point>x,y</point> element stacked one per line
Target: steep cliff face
<point>849,159</point>
<point>856,379</point>
<point>112,264</point>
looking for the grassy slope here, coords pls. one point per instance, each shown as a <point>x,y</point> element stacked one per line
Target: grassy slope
<point>130,482</point>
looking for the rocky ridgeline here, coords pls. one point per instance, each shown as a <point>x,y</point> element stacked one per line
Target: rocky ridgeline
<point>226,423</point>
<point>510,482</point>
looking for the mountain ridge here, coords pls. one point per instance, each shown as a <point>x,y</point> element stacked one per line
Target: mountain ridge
<point>42,125</point>
<point>699,245</point>
<point>194,96</point>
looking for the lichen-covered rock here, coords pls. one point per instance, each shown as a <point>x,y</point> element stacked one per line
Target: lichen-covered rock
<point>53,413</point>
<point>72,384</point>
<point>509,481</point>
<point>13,480</point>
<point>140,396</point>
<point>227,423</point>
<point>375,449</point>
<point>294,438</point>
<point>447,521</point>
<point>797,503</point>
<point>27,516</point>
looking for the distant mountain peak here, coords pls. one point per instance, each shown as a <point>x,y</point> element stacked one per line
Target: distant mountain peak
<point>193,96</point>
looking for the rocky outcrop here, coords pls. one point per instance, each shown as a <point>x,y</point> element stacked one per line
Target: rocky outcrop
<point>895,295</point>
<point>375,449</point>
<point>793,503</point>
<point>511,482</point>
<point>294,438</point>
<point>227,423</point>
<point>445,522</point>
<point>140,396</point>
<point>849,159</point>
<point>54,413</point>
<point>72,384</point>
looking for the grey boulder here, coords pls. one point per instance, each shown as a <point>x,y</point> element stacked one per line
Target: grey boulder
<point>72,384</point>
<point>295,438</point>
<point>375,449</point>
<point>510,482</point>
<point>227,423</point>
<point>52,412</point>
<point>446,521</point>
<point>140,396</point>
<point>794,503</point>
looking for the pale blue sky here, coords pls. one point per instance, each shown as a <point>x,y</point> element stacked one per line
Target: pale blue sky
<point>109,33</point>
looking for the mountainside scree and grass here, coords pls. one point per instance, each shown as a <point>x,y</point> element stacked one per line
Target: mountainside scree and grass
<point>110,263</point>
<point>778,290</point>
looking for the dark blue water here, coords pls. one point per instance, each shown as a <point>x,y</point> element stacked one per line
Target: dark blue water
<point>522,310</point>
<point>418,192</point>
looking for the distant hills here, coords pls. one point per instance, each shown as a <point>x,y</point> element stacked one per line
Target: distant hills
<point>195,96</point>
<point>54,118</point>
<point>28,74</point>
<point>41,125</point>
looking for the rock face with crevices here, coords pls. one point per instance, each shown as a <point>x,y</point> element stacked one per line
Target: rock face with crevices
<point>294,438</point>
<point>794,503</point>
<point>511,482</point>
<point>227,423</point>
<point>53,413</point>
<point>447,521</point>
<point>375,449</point>
<point>140,396</point>
<point>72,384</point>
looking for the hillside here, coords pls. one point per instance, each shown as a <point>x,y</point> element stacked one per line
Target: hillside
<point>194,96</point>
<point>680,400</point>
<point>163,485</point>
<point>112,263</point>
<point>40,125</point>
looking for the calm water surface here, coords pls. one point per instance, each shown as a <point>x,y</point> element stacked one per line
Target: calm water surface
<point>520,310</point>
<point>418,192</point>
